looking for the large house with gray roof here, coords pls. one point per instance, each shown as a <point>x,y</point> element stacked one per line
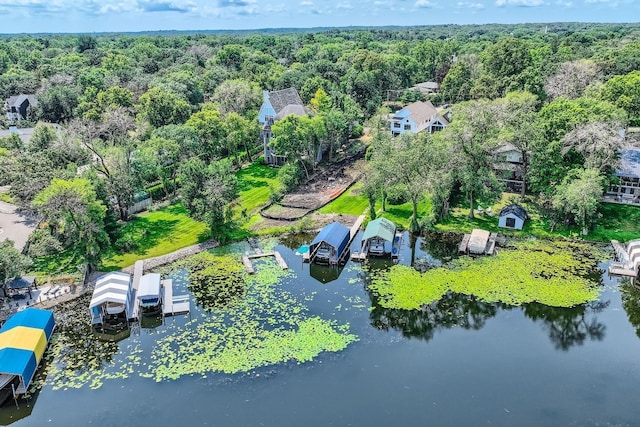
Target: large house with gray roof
<point>17,107</point>
<point>417,117</point>
<point>276,105</point>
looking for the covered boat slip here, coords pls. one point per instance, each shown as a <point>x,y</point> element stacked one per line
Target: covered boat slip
<point>330,245</point>
<point>23,341</point>
<point>380,238</point>
<point>112,296</point>
<point>149,293</point>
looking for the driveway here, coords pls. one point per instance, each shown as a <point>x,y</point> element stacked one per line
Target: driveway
<point>14,225</point>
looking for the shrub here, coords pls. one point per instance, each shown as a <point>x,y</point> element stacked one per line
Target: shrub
<point>290,175</point>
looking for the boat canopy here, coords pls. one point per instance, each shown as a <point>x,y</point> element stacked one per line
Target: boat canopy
<point>31,318</point>
<point>23,341</point>
<point>382,228</point>
<point>112,287</point>
<point>335,235</point>
<point>149,286</point>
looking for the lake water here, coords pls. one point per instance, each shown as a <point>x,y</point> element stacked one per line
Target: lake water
<point>460,362</point>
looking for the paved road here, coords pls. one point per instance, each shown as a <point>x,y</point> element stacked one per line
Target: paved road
<point>14,225</point>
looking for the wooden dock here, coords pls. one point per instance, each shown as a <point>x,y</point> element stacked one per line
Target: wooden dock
<point>281,262</point>
<point>355,228</point>
<point>479,242</point>
<point>138,271</point>
<point>358,256</point>
<point>618,269</point>
<point>248,264</point>
<point>172,305</point>
<point>462,248</point>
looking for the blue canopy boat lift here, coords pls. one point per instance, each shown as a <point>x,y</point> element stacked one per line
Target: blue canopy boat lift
<point>331,245</point>
<point>23,341</point>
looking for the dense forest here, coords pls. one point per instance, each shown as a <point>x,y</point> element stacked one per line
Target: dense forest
<point>174,114</point>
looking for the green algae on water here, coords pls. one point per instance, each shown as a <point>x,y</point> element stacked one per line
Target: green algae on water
<point>267,326</point>
<point>559,274</point>
<point>260,325</point>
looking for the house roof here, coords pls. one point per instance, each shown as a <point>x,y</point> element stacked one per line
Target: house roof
<point>23,133</point>
<point>427,86</point>
<point>516,210</point>
<point>296,110</point>
<point>335,234</point>
<point>380,227</point>
<point>505,149</point>
<point>18,100</point>
<point>420,111</point>
<point>629,163</point>
<point>281,98</point>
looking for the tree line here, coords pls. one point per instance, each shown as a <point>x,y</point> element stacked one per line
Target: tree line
<point>177,114</point>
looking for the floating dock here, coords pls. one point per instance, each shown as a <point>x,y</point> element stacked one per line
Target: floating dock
<point>172,305</point>
<point>248,264</point>
<point>479,242</point>
<point>627,259</point>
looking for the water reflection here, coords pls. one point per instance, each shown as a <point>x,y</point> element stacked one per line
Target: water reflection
<point>325,273</point>
<point>77,348</point>
<point>631,302</point>
<point>453,310</point>
<point>9,413</point>
<point>440,246</point>
<point>569,327</point>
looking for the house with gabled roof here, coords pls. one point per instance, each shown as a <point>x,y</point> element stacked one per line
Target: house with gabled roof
<point>417,117</point>
<point>17,107</point>
<point>277,105</point>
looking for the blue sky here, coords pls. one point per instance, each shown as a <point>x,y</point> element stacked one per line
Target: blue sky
<point>35,16</point>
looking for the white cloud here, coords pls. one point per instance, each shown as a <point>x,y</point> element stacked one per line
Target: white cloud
<point>306,3</point>
<point>562,3</point>
<point>470,5</point>
<point>523,3</point>
<point>424,4</point>
<point>344,5</point>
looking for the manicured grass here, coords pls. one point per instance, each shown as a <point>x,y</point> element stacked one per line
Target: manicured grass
<point>618,222</point>
<point>351,202</point>
<point>254,182</point>
<point>157,233</point>
<point>401,214</point>
<point>66,262</point>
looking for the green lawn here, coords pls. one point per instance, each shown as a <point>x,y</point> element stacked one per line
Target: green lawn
<point>351,202</point>
<point>619,222</point>
<point>401,214</point>
<point>157,233</point>
<point>254,182</point>
<point>66,262</point>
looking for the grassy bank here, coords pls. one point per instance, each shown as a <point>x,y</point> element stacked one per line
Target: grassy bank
<point>156,233</point>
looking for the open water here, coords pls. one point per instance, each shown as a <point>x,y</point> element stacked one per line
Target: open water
<point>460,362</point>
